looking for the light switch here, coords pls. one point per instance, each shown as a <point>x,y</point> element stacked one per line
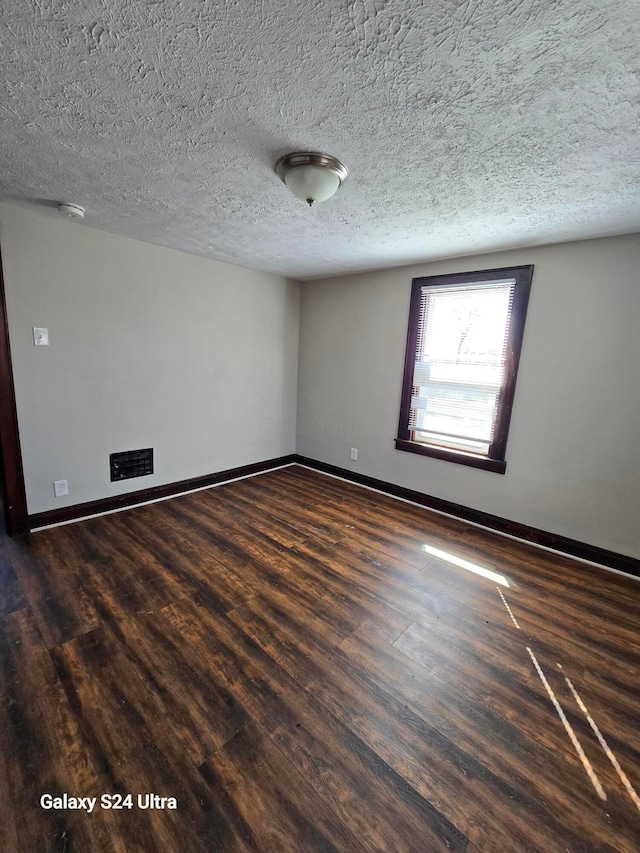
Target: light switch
<point>40,337</point>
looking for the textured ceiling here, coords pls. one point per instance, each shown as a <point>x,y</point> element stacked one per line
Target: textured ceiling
<point>466,126</point>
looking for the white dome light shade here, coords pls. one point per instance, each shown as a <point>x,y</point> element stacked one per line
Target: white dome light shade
<point>312,183</point>
<point>310,175</point>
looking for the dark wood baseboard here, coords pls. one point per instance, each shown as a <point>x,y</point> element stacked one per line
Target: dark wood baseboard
<point>570,547</point>
<point>70,513</point>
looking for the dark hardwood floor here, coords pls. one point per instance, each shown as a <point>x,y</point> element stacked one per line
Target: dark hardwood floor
<point>290,659</point>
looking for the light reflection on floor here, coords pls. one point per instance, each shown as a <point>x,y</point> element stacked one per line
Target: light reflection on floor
<point>496,577</point>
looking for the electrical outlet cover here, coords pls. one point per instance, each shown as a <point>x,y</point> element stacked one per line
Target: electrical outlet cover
<point>60,488</point>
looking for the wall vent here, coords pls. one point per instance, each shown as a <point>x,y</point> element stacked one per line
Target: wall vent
<point>131,463</point>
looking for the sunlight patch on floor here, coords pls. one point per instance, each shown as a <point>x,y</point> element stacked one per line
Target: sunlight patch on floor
<point>496,577</point>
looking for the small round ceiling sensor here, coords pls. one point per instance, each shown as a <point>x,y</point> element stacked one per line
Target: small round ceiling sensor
<point>71,211</point>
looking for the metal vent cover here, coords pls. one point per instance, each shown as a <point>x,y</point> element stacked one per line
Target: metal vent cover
<point>131,463</point>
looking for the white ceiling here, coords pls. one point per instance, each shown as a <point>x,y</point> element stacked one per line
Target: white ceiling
<point>466,126</point>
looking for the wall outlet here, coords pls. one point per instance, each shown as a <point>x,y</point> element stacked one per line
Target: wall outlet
<point>354,452</point>
<point>60,488</point>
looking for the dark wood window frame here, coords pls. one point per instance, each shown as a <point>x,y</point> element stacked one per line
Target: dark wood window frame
<point>495,459</point>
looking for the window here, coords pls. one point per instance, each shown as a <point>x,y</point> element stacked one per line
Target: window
<point>463,347</point>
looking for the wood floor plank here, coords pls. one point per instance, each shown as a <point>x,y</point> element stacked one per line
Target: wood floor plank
<point>263,562</point>
<point>190,571</point>
<point>125,723</point>
<point>423,759</point>
<point>339,766</point>
<point>219,646</point>
<point>274,803</point>
<point>372,799</point>
<point>198,709</point>
<point>43,750</point>
<point>12,597</point>
<point>529,744</point>
<point>285,656</point>
<point>57,599</point>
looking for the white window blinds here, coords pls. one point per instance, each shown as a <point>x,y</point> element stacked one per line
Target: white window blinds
<point>460,364</point>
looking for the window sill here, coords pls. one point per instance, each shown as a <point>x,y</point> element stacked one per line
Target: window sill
<point>495,465</point>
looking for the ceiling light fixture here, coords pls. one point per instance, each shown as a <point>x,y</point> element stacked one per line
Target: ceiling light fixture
<point>311,176</point>
<point>71,211</point>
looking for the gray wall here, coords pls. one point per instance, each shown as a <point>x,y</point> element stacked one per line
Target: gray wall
<point>149,347</point>
<point>199,359</point>
<point>573,457</point>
